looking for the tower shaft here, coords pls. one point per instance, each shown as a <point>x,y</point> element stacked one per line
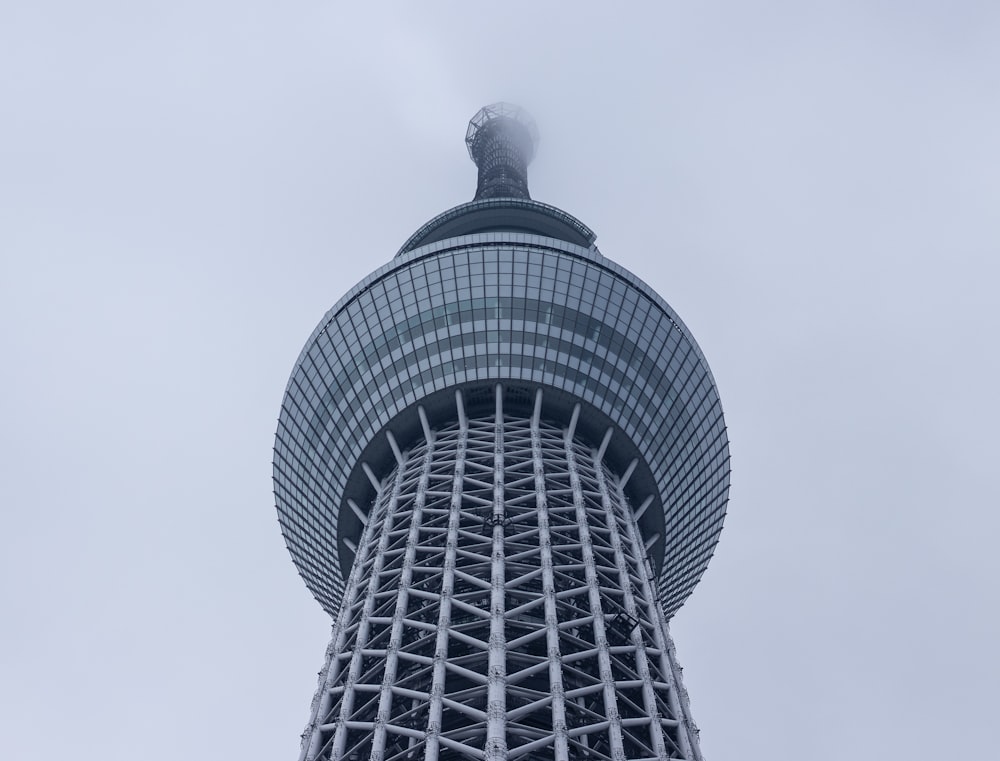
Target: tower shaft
<point>501,466</point>
<point>500,607</point>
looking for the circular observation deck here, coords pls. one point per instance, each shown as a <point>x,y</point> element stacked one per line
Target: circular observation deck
<point>501,291</point>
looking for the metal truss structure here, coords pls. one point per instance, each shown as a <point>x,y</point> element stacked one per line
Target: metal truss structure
<point>500,608</point>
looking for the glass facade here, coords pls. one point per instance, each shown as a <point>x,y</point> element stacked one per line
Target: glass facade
<point>470,310</point>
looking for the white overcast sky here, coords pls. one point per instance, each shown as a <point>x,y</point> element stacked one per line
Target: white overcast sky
<point>186,187</point>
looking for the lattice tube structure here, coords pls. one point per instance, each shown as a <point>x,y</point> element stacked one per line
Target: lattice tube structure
<point>501,466</point>
<point>500,608</point>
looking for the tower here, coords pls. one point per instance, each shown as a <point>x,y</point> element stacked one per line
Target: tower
<point>501,466</point>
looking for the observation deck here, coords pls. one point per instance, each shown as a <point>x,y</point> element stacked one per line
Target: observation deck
<point>502,290</point>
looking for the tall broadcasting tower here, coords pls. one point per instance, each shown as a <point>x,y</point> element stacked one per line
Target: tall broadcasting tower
<point>501,466</point>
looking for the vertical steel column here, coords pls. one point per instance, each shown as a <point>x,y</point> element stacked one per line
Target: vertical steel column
<point>688,745</point>
<point>433,741</point>
<point>312,737</point>
<point>682,696</point>
<point>402,605</point>
<point>347,701</point>
<point>496,702</point>
<point>559,728</point>
<point>631,608</point>
<point>590,570</point>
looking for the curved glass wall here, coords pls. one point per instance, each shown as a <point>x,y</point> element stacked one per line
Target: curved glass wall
<point>524,309</point>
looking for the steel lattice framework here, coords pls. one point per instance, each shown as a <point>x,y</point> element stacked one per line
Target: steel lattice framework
<point>501,466</point>
<point>500,608</point>
<point>501,139</point>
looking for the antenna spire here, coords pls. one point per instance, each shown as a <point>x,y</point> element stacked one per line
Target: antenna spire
<point>501,139</point>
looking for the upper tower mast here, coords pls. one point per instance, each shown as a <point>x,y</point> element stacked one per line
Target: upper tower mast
<point>501,139</point>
